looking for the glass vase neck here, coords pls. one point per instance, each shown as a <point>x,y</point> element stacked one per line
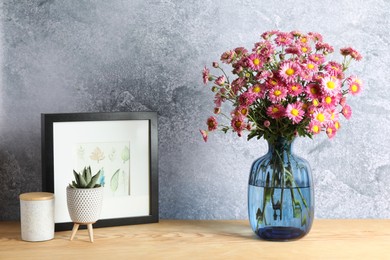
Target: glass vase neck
<point>280,145</point>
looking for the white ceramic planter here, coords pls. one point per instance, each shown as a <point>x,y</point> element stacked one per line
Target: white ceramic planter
<point>84,205</point>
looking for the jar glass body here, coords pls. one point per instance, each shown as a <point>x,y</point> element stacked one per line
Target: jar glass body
<point>280,194</point>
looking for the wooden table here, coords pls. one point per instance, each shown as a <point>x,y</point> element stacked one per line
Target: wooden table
<point>199,239</point>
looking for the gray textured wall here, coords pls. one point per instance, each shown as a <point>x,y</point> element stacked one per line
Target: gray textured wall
<point>79,55</point>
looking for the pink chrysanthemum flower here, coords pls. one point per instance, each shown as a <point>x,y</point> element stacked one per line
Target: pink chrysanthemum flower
<point>334,68</point>
<point>227,57</point>
<point>240,51</point>
<point>330,85</point>
<point>310,66</point>
<point>219,99</point>
<point>314,127</point>
<point>325,47</point>
<point>254,62</point>
<point>212,123</point>
<point>283,38</point>
<point>246,99</point>
<point>257,90</point>
<point>272,82</point>
<point>295,112</point>
<point>321,116</point>
<point>294,89</point>
<point>265,49</point>
<point>317,58</point>
<point>204,134</point>
<point>220,81</point>
<point>289,71</point>
<point>242,110</point>
<point>238,124</point>
<point>352,52</point>
<point>354,85</point>
<point>331,130</point>
<point>343,101</point>
<point>238,84</point>
<point>263,75</point>
<point>293,50</point>
<point>276,111</point>
<point>268,34</point>
<point>267,123</point>
<point>304,48</point>
<point>205,74</point>
<point>277,94</point>
<point>315,36</point>
<point>313,90</point>
<point>329,101</point>
<point>346,111</point>
<point>334,116</point>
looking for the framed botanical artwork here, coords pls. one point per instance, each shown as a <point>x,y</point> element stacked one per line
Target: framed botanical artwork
<point>121,145</point>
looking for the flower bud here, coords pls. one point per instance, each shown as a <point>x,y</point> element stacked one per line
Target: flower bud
<point>215,64</point>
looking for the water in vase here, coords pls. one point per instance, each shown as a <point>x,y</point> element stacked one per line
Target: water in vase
<point>280,213</point>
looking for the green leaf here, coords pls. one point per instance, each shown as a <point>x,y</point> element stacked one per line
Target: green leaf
<point>76,176</point>
<point>82,182</point>
<point>87,174</point>
<point>93,181</point>
<point>114,183</point>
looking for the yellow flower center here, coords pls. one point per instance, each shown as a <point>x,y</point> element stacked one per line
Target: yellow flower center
<point>315,128</point>
<point>256,61</point>
<point>257,89</point>
<point>313,90</point>
<point>290,71</point>
<point>330,85</point>
<point>304,49</point>
<point>237,124</point>
<point>294,88</point>
<point>354,88</point>
<point>244,111</point>
<point>277,92</point>
<point>337,125</point>
<point>310,66</point>
<point>316,102</point>
<point>275,110</point>
<point>332,116</point>
<point>274,82</point>
<point>303,39</point>
<point>320,117</point>
<point>294,112</point>
<point>247,75</point>
<point>329,130</point>
<point>328,100</point>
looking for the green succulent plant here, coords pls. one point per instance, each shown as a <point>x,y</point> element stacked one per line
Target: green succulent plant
<point>85,180</point>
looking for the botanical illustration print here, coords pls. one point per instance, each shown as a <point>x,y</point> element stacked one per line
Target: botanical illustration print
<point>112,159</point>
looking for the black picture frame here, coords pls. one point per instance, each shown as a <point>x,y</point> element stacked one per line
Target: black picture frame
<point>48,156</point>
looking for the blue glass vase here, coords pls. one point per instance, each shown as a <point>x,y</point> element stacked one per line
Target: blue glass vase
<point>280,194</point>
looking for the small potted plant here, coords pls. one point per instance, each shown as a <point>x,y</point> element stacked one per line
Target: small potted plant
<point>84,198</point>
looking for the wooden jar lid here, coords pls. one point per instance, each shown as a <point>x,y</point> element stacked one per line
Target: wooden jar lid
<point>37,196</point>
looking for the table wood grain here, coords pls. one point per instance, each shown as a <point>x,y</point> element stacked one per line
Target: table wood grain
<point>204,239</point>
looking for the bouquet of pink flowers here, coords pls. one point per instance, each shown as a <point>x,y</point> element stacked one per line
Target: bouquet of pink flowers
<point>285,87</point>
